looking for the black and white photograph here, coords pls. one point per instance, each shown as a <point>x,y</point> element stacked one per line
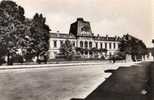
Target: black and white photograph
<point>76,49</point>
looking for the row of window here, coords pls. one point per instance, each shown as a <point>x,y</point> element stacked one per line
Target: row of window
<point>89,44</point>
<point>61,42</point>
<point>96,45</point>
<point>91,53</point>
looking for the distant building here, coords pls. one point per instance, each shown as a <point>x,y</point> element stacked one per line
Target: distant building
<point>81,36</point>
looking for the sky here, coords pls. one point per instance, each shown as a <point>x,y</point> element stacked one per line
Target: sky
<point>107,17</point>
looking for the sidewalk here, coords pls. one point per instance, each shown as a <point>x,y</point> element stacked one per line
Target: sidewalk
<point>114,66</point>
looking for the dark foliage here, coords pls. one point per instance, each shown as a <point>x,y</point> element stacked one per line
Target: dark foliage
<point>67,50</point>
<point>30,36</point>
<point>133,47</point>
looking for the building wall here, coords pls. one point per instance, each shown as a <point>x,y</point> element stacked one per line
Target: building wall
<point>81,30</point>
<point>53,50</point>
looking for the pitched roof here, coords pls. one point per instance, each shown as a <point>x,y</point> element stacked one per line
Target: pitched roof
<point>62,35</point>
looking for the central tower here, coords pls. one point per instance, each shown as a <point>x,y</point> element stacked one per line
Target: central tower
<point>80,28</point>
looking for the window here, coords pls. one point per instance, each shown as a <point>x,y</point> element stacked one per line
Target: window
<point>55,43</point>
<point>110,54</point>
<point>86,52</point>
<point>96,45</point>
<point>114,45</point>
<point>90,52</point>
<point>61,43</point>
<point>101,45</point>
<point>82,52</point>
<point>105,45</point>
<point>118,45</point>
<point>86,44</point>
<point>90,44</point>
<point>73,43</point>
<point>81,44</point>
<point>110,45</point>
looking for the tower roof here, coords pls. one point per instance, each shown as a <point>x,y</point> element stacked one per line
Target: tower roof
<point>81,28</point>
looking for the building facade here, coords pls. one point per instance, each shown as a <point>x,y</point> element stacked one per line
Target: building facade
<point>81,36</point>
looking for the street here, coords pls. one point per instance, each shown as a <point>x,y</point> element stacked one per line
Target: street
<point>126,83</point>
<point>131,83</point>
<point>52,83</point>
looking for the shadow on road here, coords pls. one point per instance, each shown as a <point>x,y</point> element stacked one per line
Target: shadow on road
<point>125,83</point>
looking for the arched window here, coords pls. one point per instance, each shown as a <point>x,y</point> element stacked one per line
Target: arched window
<point>81,44</point>
<point>105,45</point>
<point>101,45</point>
<point>96,45</point>
<point>86,44</point>
<point>73,42</point>
<point>114,45</point>
<point>55,43</point>
<point>110,45</point>
<point>61,42</point>
<point>90,44</point>
<point>90,52</point>
<point>86,52</point>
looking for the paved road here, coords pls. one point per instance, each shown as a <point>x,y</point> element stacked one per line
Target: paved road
<point>52,83</point>
<point>127,83</point>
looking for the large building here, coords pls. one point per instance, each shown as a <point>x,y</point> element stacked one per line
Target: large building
<point>81,36</point>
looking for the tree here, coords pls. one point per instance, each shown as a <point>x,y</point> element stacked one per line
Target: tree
<point>95,52</point>
<point>79,50</point>
<point>11,27</point>
<point>133,46</point>
<point>37,36</point>
<point>67,50</point>
<point>30,36</point>
<point>101,50</point>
